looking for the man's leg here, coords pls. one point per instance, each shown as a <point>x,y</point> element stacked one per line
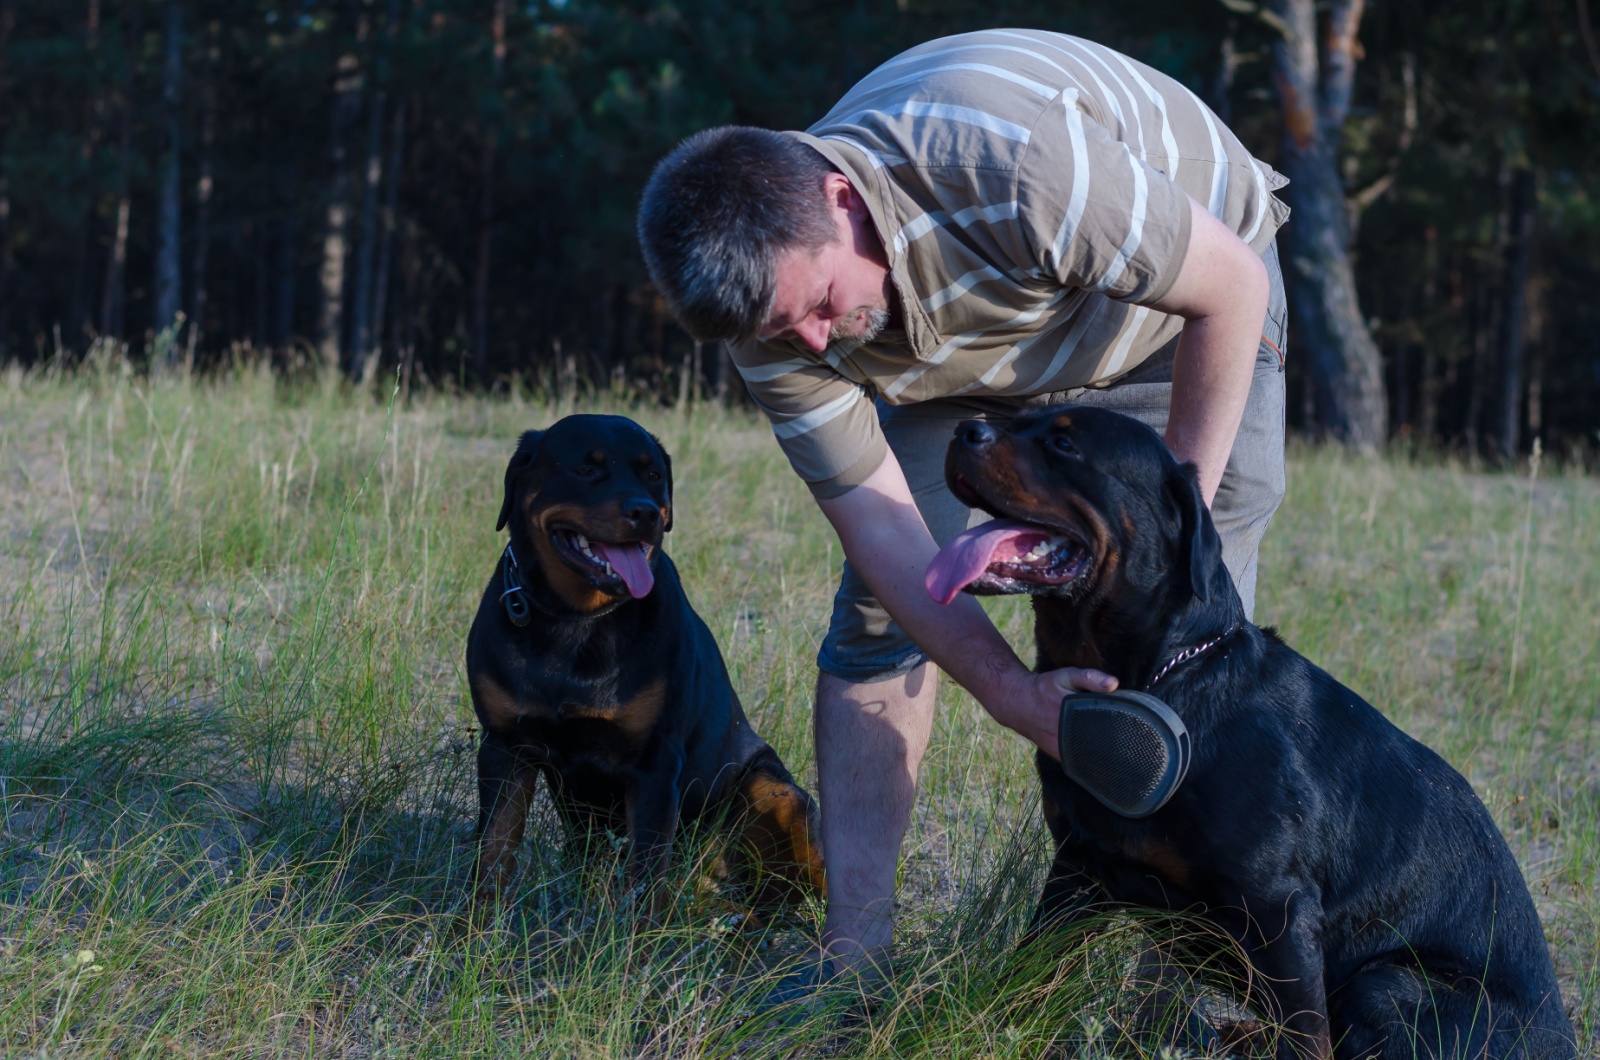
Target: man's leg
<point>874,711</point>
<point>870,740</point>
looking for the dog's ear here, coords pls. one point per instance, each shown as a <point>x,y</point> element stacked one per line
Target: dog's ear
<point>1199,547</point>
<point>666,459</point>
<point>521,460</point>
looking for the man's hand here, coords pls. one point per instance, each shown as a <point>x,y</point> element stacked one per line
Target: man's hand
<point>888,543</point>
<point>1034,710</point>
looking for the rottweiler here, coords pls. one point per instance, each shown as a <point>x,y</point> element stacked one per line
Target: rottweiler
<point>1358,871</point>
<point>588,666</point>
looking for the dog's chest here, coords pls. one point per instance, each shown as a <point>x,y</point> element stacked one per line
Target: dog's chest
<point>543,703</point>
<point>1133,861</point>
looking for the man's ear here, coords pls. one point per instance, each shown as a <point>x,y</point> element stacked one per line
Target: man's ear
<point>1199,547</point>
<point>521,460</point>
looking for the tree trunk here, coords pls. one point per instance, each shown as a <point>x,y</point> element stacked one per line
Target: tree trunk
<point>113,288</point>
<point>391,206</point>
<point>335,233</point>
<point>1538,290</point>
<point>1346,373</point>
<point>480,282</point>
<point>8,21</point>
<point>169,290</point>
<point>203,187</point>
<point>1518,252</point>
<point>77,312</point>
<point>360,342</point>
<point>363,321</point>
<point>281,335</point>
<point>1222,82</point>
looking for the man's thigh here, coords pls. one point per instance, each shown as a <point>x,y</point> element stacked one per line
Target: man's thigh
<point>1252,484</point>
<point>863,643</point>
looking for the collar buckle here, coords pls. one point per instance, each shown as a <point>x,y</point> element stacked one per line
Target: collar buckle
<point>515,597</point>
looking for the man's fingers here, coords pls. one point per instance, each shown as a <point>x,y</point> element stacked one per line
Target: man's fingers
<point>1073,679</point>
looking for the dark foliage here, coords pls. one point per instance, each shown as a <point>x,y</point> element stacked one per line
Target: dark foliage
<point>446,188</point>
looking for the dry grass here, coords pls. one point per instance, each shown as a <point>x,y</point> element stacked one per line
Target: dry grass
<point>236,750</point>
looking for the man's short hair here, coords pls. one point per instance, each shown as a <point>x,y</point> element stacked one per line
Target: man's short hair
<point>716,214</point>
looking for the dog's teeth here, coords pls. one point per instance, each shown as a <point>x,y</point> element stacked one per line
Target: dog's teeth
<point>607,566</point>
<point>583,543</point>
<point>585,550</point>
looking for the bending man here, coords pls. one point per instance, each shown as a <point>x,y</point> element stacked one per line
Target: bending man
<point>984,223</point>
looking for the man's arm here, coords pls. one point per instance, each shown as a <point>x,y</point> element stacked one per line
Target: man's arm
<point>886,540</point>
<point>1221,291</point>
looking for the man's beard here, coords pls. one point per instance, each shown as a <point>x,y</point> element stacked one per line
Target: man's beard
<point>854,329</point>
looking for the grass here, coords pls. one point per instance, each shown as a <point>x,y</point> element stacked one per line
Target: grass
<point>236,750</point>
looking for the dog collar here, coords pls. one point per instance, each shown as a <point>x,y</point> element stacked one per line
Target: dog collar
<point>1189,653</point>
<point>518,602</point>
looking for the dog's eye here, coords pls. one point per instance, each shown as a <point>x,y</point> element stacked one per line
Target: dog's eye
<point>1063,444</point>
<point>584,470</point>
<point>653,475</point>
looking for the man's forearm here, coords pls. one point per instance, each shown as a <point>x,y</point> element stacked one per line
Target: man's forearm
<point>892,551</point>
<point>1222,293</point>
<point>886,540</point>
<point>1210,384</point>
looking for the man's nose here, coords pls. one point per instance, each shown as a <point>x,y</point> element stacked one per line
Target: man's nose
<point>813,331</point>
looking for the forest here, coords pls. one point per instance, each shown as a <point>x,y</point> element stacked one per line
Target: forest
<point>442,192</point>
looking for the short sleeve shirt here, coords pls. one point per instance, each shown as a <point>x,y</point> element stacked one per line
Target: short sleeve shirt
<point>1031,190</point>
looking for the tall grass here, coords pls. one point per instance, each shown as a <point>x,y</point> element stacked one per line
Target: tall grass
<point>236,750</point>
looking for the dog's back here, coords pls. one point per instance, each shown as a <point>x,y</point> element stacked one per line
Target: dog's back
<point>1426,924</point>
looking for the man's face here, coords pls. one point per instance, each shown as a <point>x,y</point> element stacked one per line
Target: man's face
<point>839,291</point>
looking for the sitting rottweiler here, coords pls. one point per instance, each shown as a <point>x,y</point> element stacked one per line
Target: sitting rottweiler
<point>588,666</point>
<point>1360,873</point>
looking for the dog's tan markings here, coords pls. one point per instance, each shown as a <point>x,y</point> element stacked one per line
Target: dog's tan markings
<point>1059,640</point>
<point>1062,422</point>
<point>573,588</point>
<point>502,833</point>
<point>500,707</point>
<point>638,716</point>
<point>779,841</point>
<point>1165,860</point>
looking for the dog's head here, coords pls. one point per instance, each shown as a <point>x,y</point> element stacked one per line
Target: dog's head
<point>588,501</point>
<point>1089,505</point>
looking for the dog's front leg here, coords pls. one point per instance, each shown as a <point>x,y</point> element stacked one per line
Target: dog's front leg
<point>652,808</point>
<point>505,792</point>
<point>1290,959</point>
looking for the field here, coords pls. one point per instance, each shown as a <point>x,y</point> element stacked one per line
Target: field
<point>236,750</point>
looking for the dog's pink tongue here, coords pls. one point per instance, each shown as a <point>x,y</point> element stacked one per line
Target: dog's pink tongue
<point>631,564</point>
<point>969,555</point>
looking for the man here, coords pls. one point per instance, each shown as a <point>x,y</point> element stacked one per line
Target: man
<point>985,222</point>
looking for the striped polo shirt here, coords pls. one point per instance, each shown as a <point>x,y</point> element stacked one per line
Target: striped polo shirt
<point>1029,188</point>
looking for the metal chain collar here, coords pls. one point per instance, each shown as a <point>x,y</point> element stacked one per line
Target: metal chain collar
<point>1189,653</point>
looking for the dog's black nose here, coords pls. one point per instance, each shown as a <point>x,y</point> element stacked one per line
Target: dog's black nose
<point>643,515</point>
<point>975,434</point>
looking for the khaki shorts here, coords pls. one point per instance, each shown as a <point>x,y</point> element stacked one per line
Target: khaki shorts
<point>864,644</point>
